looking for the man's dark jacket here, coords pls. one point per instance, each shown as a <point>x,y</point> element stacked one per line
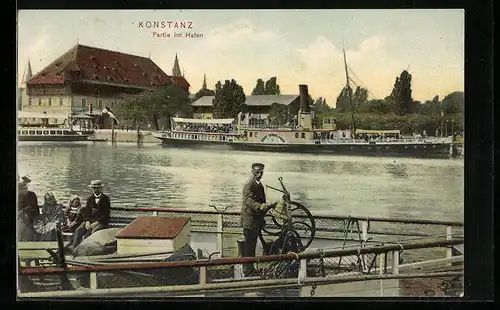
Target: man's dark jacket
<point>97,211</point>
<point>254,205</point>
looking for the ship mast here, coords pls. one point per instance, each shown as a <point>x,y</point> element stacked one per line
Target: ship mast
<point>349,90</point>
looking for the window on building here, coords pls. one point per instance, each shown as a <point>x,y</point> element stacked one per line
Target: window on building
<point>50,102</point>
<point>39,101</point>
<point>84,102</point>
<point>29,101</point>
<point>99,103</point>
<point>296,135</point>
<point>303,135</point>
<point>61,101</point>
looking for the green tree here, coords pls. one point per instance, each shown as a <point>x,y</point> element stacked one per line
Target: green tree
<point>453,103</point>
<point>321,107</point>
<point>229,99</point>
<point>278,114</point>
<point>203,92</point>
<point>259,88</point>
<point>343,103</point>
<point>272,87</point>
<point>150,106</point>
<point>401,94</point>
<point>359,98</point>
<point>378,106</point>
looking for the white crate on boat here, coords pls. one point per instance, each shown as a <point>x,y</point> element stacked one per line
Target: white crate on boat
<point>151,234</point>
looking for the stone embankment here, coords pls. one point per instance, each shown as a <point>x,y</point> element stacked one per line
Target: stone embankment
<point>120,135</point>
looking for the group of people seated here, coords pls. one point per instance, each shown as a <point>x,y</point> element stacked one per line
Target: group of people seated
<point>219,128</point>
<point>37,223</point>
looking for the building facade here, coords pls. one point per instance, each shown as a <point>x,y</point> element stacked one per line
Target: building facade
<point>256,107</point>
<point>86,79</point>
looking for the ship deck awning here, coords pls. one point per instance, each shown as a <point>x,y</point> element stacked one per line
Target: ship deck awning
<point>361,131</point>
<point>220,121</point>
<point>25,114</point>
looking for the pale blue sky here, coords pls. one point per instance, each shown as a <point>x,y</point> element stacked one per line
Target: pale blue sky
<point>297,46</point>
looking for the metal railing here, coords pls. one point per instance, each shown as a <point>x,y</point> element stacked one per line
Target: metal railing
<point>307,269</point>
<point>328,227</point>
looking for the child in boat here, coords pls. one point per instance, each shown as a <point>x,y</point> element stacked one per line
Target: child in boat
<point>73,214</point>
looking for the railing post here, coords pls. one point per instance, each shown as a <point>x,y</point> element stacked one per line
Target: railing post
<point>220,230</point>
<point>203,275</point>
<point>303,269</point>
<point>238,268</point>
<point>364,230</point>
<point>395,262</point>
<point>381,271</point>
<point>364,237</point>
<point>93,280</point>
<point>449,252</point>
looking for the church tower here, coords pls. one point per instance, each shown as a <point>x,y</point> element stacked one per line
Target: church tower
<point>204,82</point>
<point>22,94</point>
<point>27,75</point>
<point>176,70</point>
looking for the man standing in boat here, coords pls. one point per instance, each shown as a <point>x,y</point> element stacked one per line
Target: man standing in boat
<point>253,209</point>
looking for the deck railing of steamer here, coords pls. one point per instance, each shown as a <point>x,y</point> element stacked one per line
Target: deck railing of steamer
<point>312,268</point>
<point>328,227</point>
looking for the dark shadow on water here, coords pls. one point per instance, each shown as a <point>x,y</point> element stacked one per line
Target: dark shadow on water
<point>397,170</point>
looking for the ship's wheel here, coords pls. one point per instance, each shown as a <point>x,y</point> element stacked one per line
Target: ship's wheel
<point>291,222</point>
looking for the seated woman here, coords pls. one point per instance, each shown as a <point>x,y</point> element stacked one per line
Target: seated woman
<point>73,214</point>
<point>52,216</point>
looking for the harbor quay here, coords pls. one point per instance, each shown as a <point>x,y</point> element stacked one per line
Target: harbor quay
<point>123,135</point>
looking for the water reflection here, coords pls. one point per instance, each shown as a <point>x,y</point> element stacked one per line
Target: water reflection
<point>195,178</point>
<point>397,170</point>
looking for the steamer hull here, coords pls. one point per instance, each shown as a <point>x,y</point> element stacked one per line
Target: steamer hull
<point>49,138</point>
<point>394,149</point>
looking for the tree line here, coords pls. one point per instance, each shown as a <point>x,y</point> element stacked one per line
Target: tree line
<point>396,111</point>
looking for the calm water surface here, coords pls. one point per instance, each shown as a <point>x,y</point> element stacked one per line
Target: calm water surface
<point>152,175</point>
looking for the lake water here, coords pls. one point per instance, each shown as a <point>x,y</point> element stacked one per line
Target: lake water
<point>191,178</point>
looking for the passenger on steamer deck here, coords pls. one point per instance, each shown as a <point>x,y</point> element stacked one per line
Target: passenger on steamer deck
<point>95,215</point>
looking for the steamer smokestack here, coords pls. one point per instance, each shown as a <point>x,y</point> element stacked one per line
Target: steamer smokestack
<point>304,99</point>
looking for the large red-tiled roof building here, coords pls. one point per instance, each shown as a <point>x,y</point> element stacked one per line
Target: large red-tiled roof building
<point>86,79</point>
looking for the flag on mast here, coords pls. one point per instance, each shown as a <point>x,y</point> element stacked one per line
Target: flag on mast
<point>107,111</point>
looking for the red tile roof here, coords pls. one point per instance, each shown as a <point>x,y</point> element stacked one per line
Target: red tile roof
<point>107,66</point>
<point>154,227</point>
<point>180,80</point>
